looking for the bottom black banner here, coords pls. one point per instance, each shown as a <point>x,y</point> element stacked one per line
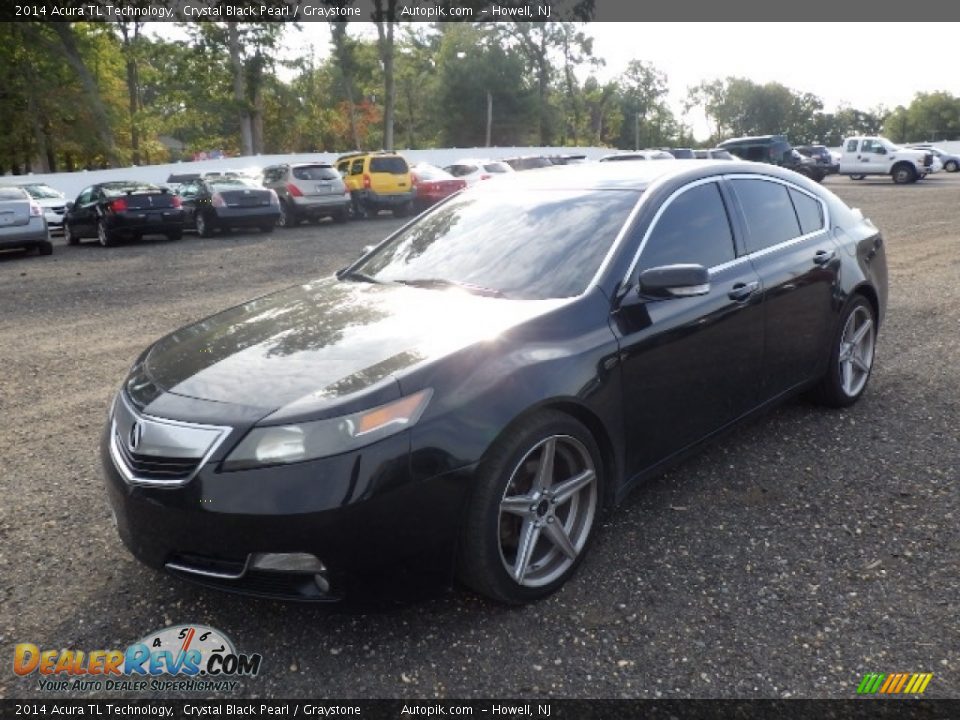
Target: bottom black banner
<point>493,709</point>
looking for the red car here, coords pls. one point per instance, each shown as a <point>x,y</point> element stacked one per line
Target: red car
<point>433,184</point>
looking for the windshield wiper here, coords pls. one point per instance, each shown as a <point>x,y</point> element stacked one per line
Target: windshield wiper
<point>357,275</point>
<point>441,283</point>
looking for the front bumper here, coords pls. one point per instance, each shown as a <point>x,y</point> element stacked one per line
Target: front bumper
<point>54,220</point>
<point>359,513</point>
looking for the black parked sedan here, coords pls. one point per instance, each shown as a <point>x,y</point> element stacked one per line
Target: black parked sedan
<point>123,209</point>
<point>223,203</point>
<point>473,392</point>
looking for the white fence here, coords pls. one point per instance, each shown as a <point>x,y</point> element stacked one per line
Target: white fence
<point>72,183</point>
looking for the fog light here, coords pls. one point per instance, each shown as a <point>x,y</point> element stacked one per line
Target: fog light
<point>287,562</point>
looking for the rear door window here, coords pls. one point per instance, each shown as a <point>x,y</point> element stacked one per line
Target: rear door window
<point>315,172</point>
<point>809,211</point>
<point>357,167</point>
<point>768,212</point>
<point>694,228</point>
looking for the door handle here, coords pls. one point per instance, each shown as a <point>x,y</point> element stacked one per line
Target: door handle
<point>822,257</point>
<point>742,291</point>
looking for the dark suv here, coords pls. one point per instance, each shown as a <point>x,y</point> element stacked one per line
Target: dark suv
<point>821,156</point>
<point>775,150</point>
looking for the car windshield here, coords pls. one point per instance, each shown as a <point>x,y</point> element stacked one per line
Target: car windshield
<point>315,172</point>
<point>496,167</point>
<point>42,192</point>
<point>122,188</point>
<point>229,183</point>
<point>428,172</point>
<point>391,165</point>
<point>7,194</point>
<point>532,244</point>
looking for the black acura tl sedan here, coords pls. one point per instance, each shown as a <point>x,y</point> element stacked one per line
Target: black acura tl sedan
<point>476,390</point>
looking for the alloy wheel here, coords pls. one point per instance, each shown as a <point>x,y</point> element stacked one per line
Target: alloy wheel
<point>856,351</point>
<point>547,511</point>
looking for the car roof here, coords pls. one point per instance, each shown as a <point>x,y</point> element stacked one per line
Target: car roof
<point>627,176</point>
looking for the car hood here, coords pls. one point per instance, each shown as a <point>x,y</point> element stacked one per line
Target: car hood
<point>307,348</point>
<point>51,202</point>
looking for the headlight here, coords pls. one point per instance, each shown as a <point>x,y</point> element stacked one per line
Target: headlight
<point>282,444</point>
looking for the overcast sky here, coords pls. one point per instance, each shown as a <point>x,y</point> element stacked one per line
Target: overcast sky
<point>860,64</point>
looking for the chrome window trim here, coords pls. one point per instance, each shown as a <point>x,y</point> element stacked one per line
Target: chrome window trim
<point>127,473</point>
<point>746,256</point>
<point>792,241</point>
<point>656,218</point>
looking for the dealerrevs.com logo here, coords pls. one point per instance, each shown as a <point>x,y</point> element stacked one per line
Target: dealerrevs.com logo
<point>179,658</point>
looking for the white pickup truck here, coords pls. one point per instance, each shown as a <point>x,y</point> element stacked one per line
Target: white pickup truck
<point>864,156</point>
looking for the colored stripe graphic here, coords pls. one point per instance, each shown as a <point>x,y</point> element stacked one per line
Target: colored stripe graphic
<point>894,684</point>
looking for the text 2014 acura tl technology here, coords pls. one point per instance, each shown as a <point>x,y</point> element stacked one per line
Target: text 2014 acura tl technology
<point>479,387</point>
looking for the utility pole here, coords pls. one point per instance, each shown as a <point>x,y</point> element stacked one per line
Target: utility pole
<point>636,131</point>
<point>489,115</point>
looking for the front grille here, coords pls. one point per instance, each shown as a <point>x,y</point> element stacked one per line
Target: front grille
<point>152,467</point>
<point>58,210</point>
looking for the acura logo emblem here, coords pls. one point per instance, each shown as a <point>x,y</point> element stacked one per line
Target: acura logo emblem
<point>136,435</point>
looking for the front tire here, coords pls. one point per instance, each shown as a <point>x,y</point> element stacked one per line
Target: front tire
<point>175,235</point>
<point>69,236</point>
<point>531,518</point>
<point>857,177</point>
<point>951,166</point>
<point>903,174</point>
<point>851,356</point>
<point>404,210</point>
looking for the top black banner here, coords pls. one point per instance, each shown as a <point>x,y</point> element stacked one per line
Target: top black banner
<point>406,11</point>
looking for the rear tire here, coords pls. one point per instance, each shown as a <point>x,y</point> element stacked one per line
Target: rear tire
<point>341,216</point>
<point>175,235</point>
<point>851,356</point>
<point>857,177</point>
<point>538,487</point>
<point>404,210</point>
<point>204,226</point>
<point>45,248</point>
<point>267,227</point>
<point>288,217</point>
<point>106,238</point>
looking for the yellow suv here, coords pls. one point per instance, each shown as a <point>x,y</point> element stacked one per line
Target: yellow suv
<point>377,181</point>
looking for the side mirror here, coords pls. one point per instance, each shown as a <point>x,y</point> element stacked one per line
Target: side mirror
<point>674,281</point>
<point>881,151</point>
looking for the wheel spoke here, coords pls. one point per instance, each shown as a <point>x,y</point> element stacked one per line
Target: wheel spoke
<point>568,488</point>
<point>545,469</point>
<point>558,536</point>
<point>517,505</point>
<point>861,332</point>
<point>860,364</point>
<point>847,370</point>
<point>529,535</point>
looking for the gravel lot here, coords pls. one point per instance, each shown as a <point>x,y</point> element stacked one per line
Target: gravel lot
<point>803,551</point>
